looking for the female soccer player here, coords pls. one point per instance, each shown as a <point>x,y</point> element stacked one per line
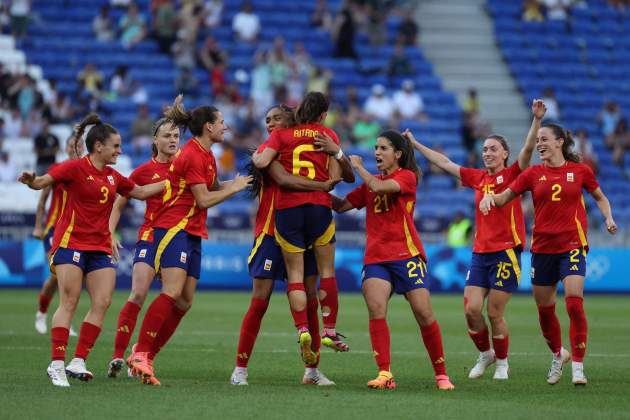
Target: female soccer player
<point>74,150</point>
<point>165,146</point>
<point>82,243</point>
<point>304,219</point>
<point>496,260</point>
<point>394,256</point>
<point>559,243</point>
<point>179,226</point>
<point>266,263</point>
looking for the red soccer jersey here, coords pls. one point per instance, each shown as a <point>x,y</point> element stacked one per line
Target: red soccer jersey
<point>558,205</point>
<point>57,204</point>
<point>266,200</point>
<point>298,157</point>
<point>84,224</point>
<point>194,165</point>
<point>390,232</point>
<point>149,173</point>
<point>504,227</point>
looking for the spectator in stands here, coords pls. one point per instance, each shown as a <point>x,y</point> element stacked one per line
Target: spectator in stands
<point>459,231</point>
<point>365,131</point>
<point>164,25</point>
<point>132,27</point>
<point>295,85</point>
<point>352,108</point>
<point>190,18</point>
<point>13,124</point>
<point>5,20</point>
<point>619,5</point>
<point>2,133</point>
<point>218,81</point>
<point>120,85</point>
<point>408,31</point>
<point>183,52</point>
<point>139,94</point>
<point>471,103</point>
<point>33,123</point>
<point>379,106</point>
<point>90,81</point>
<point>278,65</point>
<point>260,88</point>
<point>375,28</point>
<point>609,117</point>
<point>142,130</point>
<point>399,63</point>
<point>211,54</point>
<point>532,11</point>
<point>102,25</point>
<point>46,148</point>
<point>27,95</point>
<point>321,17</point>
<point>8,171</point>
<point>49,92</point>
<point>433,168</point>
<point>20,11</point>
<point>61,111</point>
<point>343,32</point>
<point>553,109</point>
<point>619,141</point>
<point>557,10</point>
<point>408,103</point>
<point>302,60</point>
<point>246,23</point>
<point>319,80</point>
<point>212,11</point>
<point>584,147</point>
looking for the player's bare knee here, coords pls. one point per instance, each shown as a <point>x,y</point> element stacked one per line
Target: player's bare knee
<point>377,310</point>
<point>138,297</point>
<point>472,312</point>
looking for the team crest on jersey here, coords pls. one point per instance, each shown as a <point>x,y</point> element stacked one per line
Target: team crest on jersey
<point>500,179</point>
<point>268,264</point>
<point>76,257</point>
<point>182,258</point>
<point>110,179</point>
<point>142,253</point>
<point>569,176</point>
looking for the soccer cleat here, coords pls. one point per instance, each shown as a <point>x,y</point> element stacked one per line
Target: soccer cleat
<point>151,380</point>
<point>313,376</point>
<point>131,372</point>
<point>502,369</point>
<point>239,376</point>
<point>308,356</point>
<point>485,359</point>
<point>40,323</point>
<point>115,366</point>
<point>555,372</point>
<point>334,342</point>
<point>57,373</point>
<point>384,380</point>
<point>577,369</point>
<point>76,369</point>
<point>72,332</point>
<point>443,383</point>
<point>141,363</point>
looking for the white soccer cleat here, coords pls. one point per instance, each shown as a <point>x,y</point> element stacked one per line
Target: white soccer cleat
<point>239,376</point>
<point>577,369</point>
<point>76,369</point>
<point>313,376</point>
<point>486,358</point>
<point>72,332</point>
<point>57,373</point>
<point>502,369</point>
<point>40,322</point>
<point>131,373</point>
<point>114,367</point>
<point>555,372</point>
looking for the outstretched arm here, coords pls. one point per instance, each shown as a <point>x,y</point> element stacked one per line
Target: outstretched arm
<point>525,155</point>
<point>434,157</point>
<point>35,182</point>
<point>206,199</point>
<point>145,191</point>
<point>605,209</point>
<point>378,186</point>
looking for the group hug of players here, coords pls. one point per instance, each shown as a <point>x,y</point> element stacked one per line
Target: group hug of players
<point>292,173</point>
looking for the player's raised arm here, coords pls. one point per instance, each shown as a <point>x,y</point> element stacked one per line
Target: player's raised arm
<point>387,186</point>
<point>538,112</point>
<point>432,156</point>
<point>35,182</point>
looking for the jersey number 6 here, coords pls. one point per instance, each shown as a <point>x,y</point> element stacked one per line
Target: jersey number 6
<point>299,164</point>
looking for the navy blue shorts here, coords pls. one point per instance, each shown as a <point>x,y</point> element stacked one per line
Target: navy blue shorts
<point>48,240</point>
<point>265,260</point>
<point>549,269</point>
<point>495,270</point>
<point>300,228</point>
<point>177,249</point>
<point>144,253</point>
<point>404,275</point>
<point>87,261</point>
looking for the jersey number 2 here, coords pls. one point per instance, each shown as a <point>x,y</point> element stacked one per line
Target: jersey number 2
<point>555,195</point>
<point>299,164</point>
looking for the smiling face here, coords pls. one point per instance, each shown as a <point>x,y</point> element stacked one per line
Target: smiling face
<point>386,156</point>
<point>167,139</point>
<point>275,118</point>
<point>547,144</point>
<point>218,128</point>
<point>494,155</point>
<point>109,150</point>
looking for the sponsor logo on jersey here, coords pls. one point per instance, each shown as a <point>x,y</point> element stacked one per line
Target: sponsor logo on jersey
<point>570,176</point>
<point>110,179</point>
<point>182,258</point>
<point>76,257</point>
<point>268,264</point>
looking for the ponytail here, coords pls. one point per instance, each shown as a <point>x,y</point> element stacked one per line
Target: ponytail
<point>193,120</point>
<point>407,159</point>
<point>567,145</point>
<point>100,131</point>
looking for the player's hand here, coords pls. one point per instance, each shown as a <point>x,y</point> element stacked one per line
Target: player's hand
<point>116,245</point>
<point>486,204</point>
<point>331,184</point>
<point>356,161</point>
<point>611,226</point>
<point>239,183</point>
<point>324,143</point>
<point>27,178</point>
<point>538,108</point>
<point>412,139</point>
<point>38,232</point>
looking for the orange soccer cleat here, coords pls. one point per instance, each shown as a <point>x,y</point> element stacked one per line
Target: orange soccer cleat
<point>384,380</point>
<point>141,363</point>
<point>444,383</point>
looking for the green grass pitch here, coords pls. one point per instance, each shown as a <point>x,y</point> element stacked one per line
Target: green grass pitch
<point>195,367</point>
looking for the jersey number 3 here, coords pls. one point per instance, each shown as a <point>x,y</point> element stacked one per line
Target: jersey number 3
<point>105,192</point>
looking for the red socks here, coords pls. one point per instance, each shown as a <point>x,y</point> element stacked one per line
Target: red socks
<point>158,312</point>
<point>59,341</point>
<point>577,327</point>
<point>379,335</point>
<point>87,337</point>
<point>481,339</point>
<point>300,318</point>
<point>249,330</point>
<point>44,302</point>
<point>501,346</point>
<point>168,329</point>
<point>550,327</point>
<point>126,324</point>
<point>313,327</point>
<point>432,337</point>
<point>330,304</point>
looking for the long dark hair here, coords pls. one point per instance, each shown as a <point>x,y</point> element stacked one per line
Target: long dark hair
<point>504,144</point>
<point>407,159</point>
<point>100,131</point>
<point>311,108</point>
<point>567,146</point>
<point>192,120</point>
